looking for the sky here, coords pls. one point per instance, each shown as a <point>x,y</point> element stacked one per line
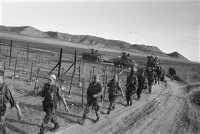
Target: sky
<point>171,25</point>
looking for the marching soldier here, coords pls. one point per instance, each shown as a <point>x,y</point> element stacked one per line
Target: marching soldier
<point>113,91</point>
<point>131,85</point>
<point>141,82</point>
<point>5,98</point>
<point>150,77</point>
<point>52,96</point>
<point>94,91</point>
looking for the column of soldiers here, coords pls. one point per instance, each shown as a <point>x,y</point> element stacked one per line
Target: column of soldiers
<point>52,95</point>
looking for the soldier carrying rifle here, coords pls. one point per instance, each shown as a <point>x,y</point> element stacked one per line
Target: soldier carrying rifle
<point>5,98</point>
<point>52,96</point>
<point>94,91</point>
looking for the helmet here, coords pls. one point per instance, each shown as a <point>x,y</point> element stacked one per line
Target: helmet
<point>96,77</point>
<point>52,77</point>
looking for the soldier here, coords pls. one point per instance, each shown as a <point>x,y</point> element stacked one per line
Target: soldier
<point>158,71</point>
<point>5,98</point>
<point>93,92</point>
<point>52,96</point>
<point>113,91</point>
<point>150,77</point>
<point>131,85</point>
<point>141,82</point>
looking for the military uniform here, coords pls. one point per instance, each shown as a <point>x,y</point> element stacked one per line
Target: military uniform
<point>51,98</point>
<point>141,83</point>
<point>131,87</point>
<point>150,77</point>
<point>5,97</point>
<point>93,89</point>
<point>113,91</point>
<point>158,71</point>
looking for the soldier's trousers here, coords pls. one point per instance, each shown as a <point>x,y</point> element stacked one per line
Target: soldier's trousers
<point>91,102</point>
<point>112,99</point>
<point>49,116</point>
<point>150,84</point>
<point>139,91</point>
<point>3,128</point>
<point>129,98</point>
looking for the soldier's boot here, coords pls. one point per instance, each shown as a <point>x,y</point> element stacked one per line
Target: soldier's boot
<point>110,108</point>
<point>131,103</point>
<point>150,90</point>
<point>127,100</point>
<point>97,115</point>
<point>138,96</point>
<point>42,130</point>
<point>56,127</point>
<point>113,107</point>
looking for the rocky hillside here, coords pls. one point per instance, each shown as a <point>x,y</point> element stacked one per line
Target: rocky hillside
<point>176,55</point>
<point>92,41</point>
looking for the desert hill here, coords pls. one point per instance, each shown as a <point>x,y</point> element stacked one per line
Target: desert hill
<point>177,55</point>
<point>92,41</point>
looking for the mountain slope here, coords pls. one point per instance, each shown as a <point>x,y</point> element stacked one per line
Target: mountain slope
<point>92,41</point>
<point>177,55</point>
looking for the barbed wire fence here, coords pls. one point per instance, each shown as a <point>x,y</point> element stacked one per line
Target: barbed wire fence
<point>22,61</point>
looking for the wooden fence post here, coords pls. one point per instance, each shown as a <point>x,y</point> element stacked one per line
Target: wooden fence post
<point>82,92</point>
<point>11,43</point>
<point>37,75</point>
<point>59,62</point>
<point>27,54</point>
<point>4,65</point>
<point>90,76</point>
<point>31,72</point>
<point>15,68</point>
<point>92,71</point>
<point>74,71</point>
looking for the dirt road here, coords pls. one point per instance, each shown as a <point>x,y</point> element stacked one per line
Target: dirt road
<point>165,111</point>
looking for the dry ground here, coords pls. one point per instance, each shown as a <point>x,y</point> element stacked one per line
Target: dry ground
<point>166,111</point>
<point>171,110</point>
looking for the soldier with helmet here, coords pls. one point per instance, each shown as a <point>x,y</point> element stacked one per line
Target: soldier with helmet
<point>94,91</point>
<point>52,96</point>
<point>131,85</point>
<point>5,98</point>
<point>150,77</point>
<point>114,90</point>
<point>141,82</point>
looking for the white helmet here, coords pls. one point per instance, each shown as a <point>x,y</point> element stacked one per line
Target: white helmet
<point>52,77</point>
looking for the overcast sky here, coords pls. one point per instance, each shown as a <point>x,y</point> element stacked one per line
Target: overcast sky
<point>172,25</point>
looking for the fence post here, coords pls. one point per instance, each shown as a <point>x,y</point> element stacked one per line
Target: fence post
<point>10,52</point>
<point>59,62</point>
<point>90,75</point>
<point>4,65</point>
<point>37,75</point>
<point>27,54</point>
<point>15,68</point>
<point>82,91</point>
<point>92,71</point>
<point>79,73</point>
<point>31,71</point>
<point>74,71</point>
